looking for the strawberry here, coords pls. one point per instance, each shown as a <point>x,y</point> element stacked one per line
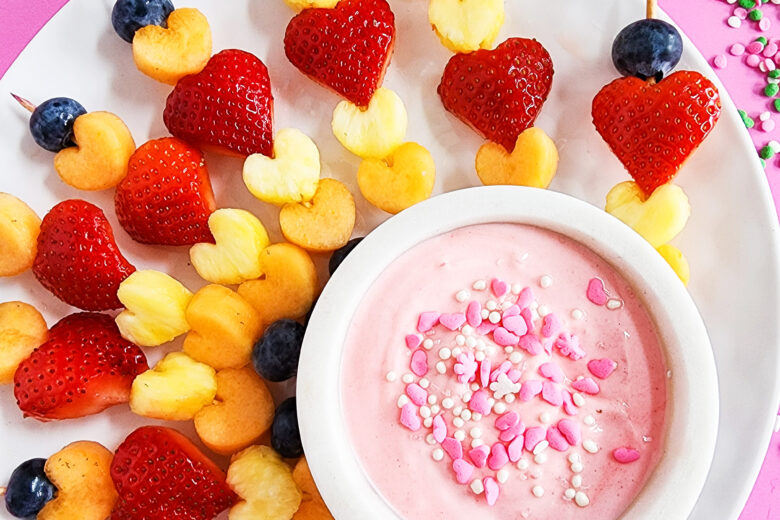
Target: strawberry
<point>498,92</point>
<point>84,367</point>
<point>226,108</point>
<point>347,48</point>
<point>654,127</point>
<point>160,475</point>
<point>77,258</point>
<point>166,197</point>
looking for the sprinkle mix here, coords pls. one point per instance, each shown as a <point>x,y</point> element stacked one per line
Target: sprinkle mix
<point>502,349</point>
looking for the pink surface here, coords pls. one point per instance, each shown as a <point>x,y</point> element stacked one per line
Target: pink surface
<point>703,21</point>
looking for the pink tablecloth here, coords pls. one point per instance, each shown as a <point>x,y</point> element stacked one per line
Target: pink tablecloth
<point>705,23</point>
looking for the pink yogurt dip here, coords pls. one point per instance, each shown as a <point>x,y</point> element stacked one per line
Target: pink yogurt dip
<point>392,414</point>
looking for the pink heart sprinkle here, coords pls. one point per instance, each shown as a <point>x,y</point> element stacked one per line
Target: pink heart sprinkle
<point>409,417</point>
<point>474,314</point>
<point>515,324</point>
<point>491,490</point>
<point>453,448</point>
<point>534,436</point>
<point>586,385</point>
<point>551,371</point>
<point>514,375</point>
<point>530,389</point>
<point>498,457</point>
<point>419,363</point>
<point>552,393</point>
<point>479,455</point>
<point>484,372</point>
<point>551,325</point>
<point>486,328</point>
<point>479,402</point>
<point>453,321</point>
<point>413,341</point>
<point>416,394</point>
<point>530,344</point>
<point>507,420</point>
<point>427,321</point>
<point>596,293</point>
<point>625,455</point>
<point>556,439</point>
<point>515,449</point>
<point>499,287</point>
<point>570,430</point>
<point>525,297</point>
<point>512,310</point>
<point>504,338</point>
<point>463,471</point>
<point>439,429</point>
<point>602,368</point>
<point>512,432</point>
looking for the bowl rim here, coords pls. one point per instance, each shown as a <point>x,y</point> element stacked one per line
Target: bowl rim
<point>692,405</point>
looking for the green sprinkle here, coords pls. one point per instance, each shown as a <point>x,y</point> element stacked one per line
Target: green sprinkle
<point>763,163</point>
<point>777,105</point>
<point>755,15</point>
<point>774,74</point>
<point>771,90</point>
<point>762,40</point>
<point>749,123</point>
<point>766,152</point>
<point>764,1</point>
<point>747,4</point>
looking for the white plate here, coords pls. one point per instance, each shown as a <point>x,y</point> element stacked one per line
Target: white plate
<point>731,240</point>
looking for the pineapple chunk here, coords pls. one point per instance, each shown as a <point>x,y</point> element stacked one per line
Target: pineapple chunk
<point>19,229</point>
<point>22,330</point>
<point>466,25</point>
<point>677,261</point>
<point>155,305</point>
<point>175,389</point>
<point>373,132</point>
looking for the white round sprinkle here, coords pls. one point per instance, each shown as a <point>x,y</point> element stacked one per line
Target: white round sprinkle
<point>479,285</point>
<point>578,399</point>
<point>445,353</point>
<point>569,493</point>
<point>581,499</point>
<point>476,443</point>
<point>491,402</point>
<point>425,412</point>
<point>456,352</point>
<point>499,408</point>
<point>763,116</point>
<point>494,317</point>
<point>460,339</point>
<point>462,296</point>
<point>574,457</point>
<point>539,448</point>
<point>576,481</point>
<point>474,387</point>
<point>544,417</point>
<point>509,398</point>
<point>538,491</point>
<point>428,422</point>
<point>508,303</point>
<point>470,342</point>
<point>468,330</point>
<point>540,458</point>
<point>774,145</point>
<point>391,376</point>
<point>447,403</point>
<point>590,446</point>
<point>544,310</point>
<point>441,367</point>
<point>435,409</point>
<point>465,415</point>
<point>734,22</point>
<point>466,396</point>
<point>515,357</point>
<point>476,486</point>
<point>479,356</point>
<point>457,410</point>
<point>502,476</point>
<point>402,400</point>
<point>458,422</point>
<point>545,281</point>
<point>407,378</point>
<point>432,399</point>
<point>429,439</point>
<point>459,435</point>
<point>614,304</point>
<point>509,350</point>
<point>437,454</point>
<point>576,467</point>
<point>522,464</point>
<point>424,383</point>
<point>476,416</point>
<point>577,314</point>
<point>491,305</point>
<point>589,420</point>
<point>476,432</point>
<point>484,313</point>
<point>428,344</point>
<point>517,288</point>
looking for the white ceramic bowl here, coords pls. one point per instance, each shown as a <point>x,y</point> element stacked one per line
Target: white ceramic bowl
<point>692,409</point>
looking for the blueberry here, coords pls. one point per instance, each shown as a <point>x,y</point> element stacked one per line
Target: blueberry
<point>275,355</point>
<point>130,15</point>
<point>51,123</point>
<point>339,255</point>
<point>285,435</point>
<point>648,48</point>
<point>29,489</point>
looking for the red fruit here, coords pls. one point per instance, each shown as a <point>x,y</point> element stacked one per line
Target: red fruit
<point>166,197</point>
<point>653,128</point>
<point>347,48</point>
<point>85,367</point>
<point>160,475</point>
<point>498,92</point>
<point>77,259</point>
<point>226,108</point>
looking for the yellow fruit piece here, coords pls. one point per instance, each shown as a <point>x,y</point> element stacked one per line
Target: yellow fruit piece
<point>19,229</point>
<point>323,224</point>
<point>677,261</point>
<point>224,328</point>
<point>168,55</point>
<point>466,25</point>
<point>22,330</point>
<point>155,305</point>
<point>300,5</point>
<point>240,238</point>
<point>533,162</point>
<point>288,287</point>
<point>104,145</point>
<point>81,473</point>
<point>372,132</point>
<point>261,478</point>
<point>175,389</point>
<point>243,411</point>
<point>658,218</point>
<point>403,179</point>
<point>312,506</point>
<point>291,176</point>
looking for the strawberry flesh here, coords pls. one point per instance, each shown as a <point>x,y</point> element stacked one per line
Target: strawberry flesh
<point>226,108</point>
<point>654,127</point>
<point>166,198</point>
<point>498,92</point>
<point>347,48</point>
<point>84,367</point>
<point>78,259</point>
<point>160,475</point>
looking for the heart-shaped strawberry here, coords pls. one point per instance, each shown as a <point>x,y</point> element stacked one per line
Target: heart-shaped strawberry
<point>654,128</point>
<point>226,108</point>
<point>498,92</point>
<point>346,48</point>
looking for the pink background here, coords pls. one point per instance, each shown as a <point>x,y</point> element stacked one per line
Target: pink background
<point>704,23</point>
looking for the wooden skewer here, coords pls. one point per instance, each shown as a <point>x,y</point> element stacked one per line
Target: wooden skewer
<point>26,104</point>
<point>652,6</point>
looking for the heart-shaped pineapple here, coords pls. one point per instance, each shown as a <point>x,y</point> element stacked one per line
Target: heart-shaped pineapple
<point>169,54</point>
<point>288,286</point>
<point>372,132</point>
<point>403,179</point>
<point>533,162</point>
<point>290,176</point>
<point>99,161</point>
<point>466,25</point>
<point>658,218</point>
<point>240,237</point>
<point>323,224</point>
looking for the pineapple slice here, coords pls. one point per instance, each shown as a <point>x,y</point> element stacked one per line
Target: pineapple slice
<point>22,330</point>
<point>466,25</point>
<point>373,132</point>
